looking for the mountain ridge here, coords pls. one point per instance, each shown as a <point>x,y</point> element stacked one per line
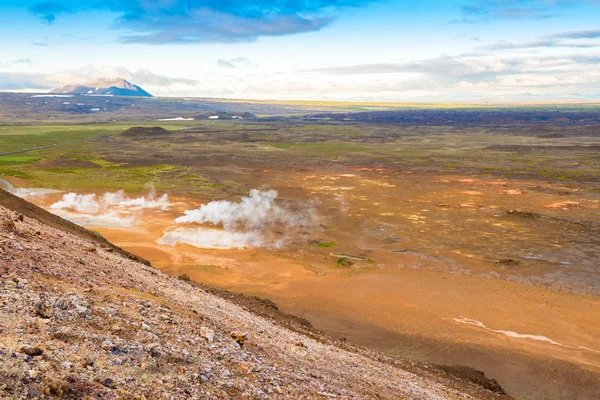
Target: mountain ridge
<point>104,87</point>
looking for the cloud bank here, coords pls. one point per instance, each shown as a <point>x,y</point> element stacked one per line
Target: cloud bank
<point>44,81</point>
<point>194,21</point>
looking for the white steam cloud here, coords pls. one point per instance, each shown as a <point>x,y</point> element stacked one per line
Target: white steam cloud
<point>252,212</point>
<point>255,221</point>
<point>211,238</point>
<point>88,203</point>
<point>110,219</point>
<point>112,209</point>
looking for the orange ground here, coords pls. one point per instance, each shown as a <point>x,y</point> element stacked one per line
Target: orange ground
<point>432,243</point>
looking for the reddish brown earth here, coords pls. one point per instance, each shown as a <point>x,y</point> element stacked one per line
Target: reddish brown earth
<point>81,320</point>
<point>515,258</point>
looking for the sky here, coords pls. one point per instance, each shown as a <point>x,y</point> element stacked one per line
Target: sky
<point>347,50</point>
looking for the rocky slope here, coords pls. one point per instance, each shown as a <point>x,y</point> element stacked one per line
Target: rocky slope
<point>105,87</point>
<point>82,319</point>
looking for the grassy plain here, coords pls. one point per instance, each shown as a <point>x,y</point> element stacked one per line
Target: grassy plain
<point>95,156</point>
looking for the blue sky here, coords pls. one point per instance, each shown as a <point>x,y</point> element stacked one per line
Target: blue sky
<point>364,50</point>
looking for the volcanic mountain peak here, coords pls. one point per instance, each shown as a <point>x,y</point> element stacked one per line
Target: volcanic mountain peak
<point>105,87</point>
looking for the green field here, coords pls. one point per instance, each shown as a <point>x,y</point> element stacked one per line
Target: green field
<point>87,156</point>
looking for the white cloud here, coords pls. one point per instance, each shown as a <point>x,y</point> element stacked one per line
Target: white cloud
<point>42,81</point>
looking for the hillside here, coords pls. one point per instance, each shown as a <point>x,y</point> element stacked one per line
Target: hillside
<point>83,319</point>
<point>104,87</point>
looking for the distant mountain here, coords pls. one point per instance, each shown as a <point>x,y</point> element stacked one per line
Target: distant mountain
<point>105,87</point>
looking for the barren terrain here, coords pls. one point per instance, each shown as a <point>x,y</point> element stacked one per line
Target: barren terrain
<point>80,320</point>
<point>464,242</point>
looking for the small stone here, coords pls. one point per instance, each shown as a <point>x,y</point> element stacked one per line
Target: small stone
<point>239,337</point>
<point>67,365</point>
<point>81,310</point>
<point>155,349</point>
<point>9,225</point>
<point>33,392</point>
<point>146,327</point>
<point>32,351</point>
<point>108,382</point>
<point>33,374</point>
<point>184,277</point>
<point>43,309</point>
<point>89,361</point>
<point>108,344</point>
<point>207,334</point>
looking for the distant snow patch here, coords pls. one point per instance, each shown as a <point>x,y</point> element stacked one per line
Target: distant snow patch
<point>52,95</point>
<point>176,119</point>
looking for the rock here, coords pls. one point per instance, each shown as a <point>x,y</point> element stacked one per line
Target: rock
<point>43,309</point>
<point>33,374</point>
<point>33,392</point>
<point>239,337</point>
<point>9,225</point>
<point>184,277</point>
<point>108,344</point>
<point>89,361</point>
<point>108,382</point>
<point>146,327</point>
<point>155,349</point>
<point>32,351</point>
<point>81,306</point>
<point>207,334</point>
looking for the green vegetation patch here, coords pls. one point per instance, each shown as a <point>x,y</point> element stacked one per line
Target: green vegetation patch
<point>326,245</point>
<point>18,159</point>
<point>15,173</point>
<point>164,176</point>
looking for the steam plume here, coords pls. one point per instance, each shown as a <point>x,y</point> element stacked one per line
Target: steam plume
<point>89,204</point>
<point>111,209</point>
<point>251,222</point>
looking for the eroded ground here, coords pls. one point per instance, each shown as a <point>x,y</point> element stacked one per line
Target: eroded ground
<point>447,249</point>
